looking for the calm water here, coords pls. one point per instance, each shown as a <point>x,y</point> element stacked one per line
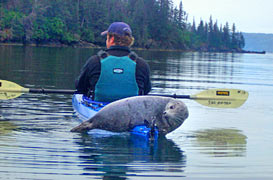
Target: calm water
<point>36,142</point>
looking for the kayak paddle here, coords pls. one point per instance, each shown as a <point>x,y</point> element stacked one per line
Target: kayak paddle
<point>11,90</point>
<point>218,98</point>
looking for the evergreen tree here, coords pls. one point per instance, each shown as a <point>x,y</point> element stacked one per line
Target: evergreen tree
<point>234,38</point>
<point>201,32</point>
<point>155,23</point>
<point>181,16</point>
<point>210,33</point>
<point>241,40</point>
<point>193,27</point>
<point>226,36</point>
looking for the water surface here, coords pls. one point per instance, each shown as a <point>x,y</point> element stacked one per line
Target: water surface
<point>36,142</point>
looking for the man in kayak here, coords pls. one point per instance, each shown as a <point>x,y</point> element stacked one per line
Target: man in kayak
<point>117,72</point>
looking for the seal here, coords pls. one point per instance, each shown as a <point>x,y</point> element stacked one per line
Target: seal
<point>123,115</point>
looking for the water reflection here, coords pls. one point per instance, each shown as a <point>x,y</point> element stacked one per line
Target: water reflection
<point>192,70</point>
<point>120,156</point>
<point>6,127</point>
<point>36,113</point>
<point>222,142</point>
<point>43,66</point>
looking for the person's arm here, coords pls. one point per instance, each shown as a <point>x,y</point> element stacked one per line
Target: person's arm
<point>143,76</point>
<point>89,75</point>
<point>148,85</point>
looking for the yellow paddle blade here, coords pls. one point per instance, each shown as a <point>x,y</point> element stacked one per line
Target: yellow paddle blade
<point>10,90</point>
<point>221,98</point>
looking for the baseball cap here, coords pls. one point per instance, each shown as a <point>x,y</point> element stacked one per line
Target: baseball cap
<point>119,28</point>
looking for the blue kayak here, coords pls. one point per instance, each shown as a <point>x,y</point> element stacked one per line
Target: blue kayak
<point>85,108</point>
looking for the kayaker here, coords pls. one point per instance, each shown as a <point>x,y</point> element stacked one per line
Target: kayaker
<point>116,72</point>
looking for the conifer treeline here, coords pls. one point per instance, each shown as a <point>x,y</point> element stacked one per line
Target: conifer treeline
<point>155,24</point>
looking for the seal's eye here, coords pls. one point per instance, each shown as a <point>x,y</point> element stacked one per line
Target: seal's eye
<point>172,107</point>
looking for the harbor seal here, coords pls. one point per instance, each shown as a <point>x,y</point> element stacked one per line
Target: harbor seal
<point>123,115</point>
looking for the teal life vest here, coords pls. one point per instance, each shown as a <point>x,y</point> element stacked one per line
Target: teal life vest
<point>117,78</point>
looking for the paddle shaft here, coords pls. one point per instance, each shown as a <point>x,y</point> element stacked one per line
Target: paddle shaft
<point>173,96</point>
<point>67,91</point>
<point>52,91</point>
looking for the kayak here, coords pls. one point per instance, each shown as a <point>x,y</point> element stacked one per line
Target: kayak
<point>85,108</point>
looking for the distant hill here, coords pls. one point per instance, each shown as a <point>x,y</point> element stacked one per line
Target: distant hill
<point>258,42</point>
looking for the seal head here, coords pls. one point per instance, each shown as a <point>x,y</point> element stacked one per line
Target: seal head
<point>173,116</point>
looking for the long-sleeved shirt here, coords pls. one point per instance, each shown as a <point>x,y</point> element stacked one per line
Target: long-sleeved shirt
<point>90,72</point>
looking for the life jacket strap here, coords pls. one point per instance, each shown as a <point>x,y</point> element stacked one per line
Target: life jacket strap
<point>103,54</point>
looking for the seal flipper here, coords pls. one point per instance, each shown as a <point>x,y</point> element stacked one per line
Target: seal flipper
<point>146,123</point>
<point>83,127</point>
<point>153,132</point>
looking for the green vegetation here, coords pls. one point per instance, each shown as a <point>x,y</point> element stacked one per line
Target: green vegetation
<point>155,24</point>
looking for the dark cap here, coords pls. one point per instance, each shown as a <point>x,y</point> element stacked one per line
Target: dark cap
<point>119,28</point>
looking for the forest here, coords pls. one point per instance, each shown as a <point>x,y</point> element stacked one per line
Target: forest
<point>157,24</point>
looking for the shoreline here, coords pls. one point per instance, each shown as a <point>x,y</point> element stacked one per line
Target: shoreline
<point>90,45</point>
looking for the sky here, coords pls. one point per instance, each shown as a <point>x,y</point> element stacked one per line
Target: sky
<point>252,16</point>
